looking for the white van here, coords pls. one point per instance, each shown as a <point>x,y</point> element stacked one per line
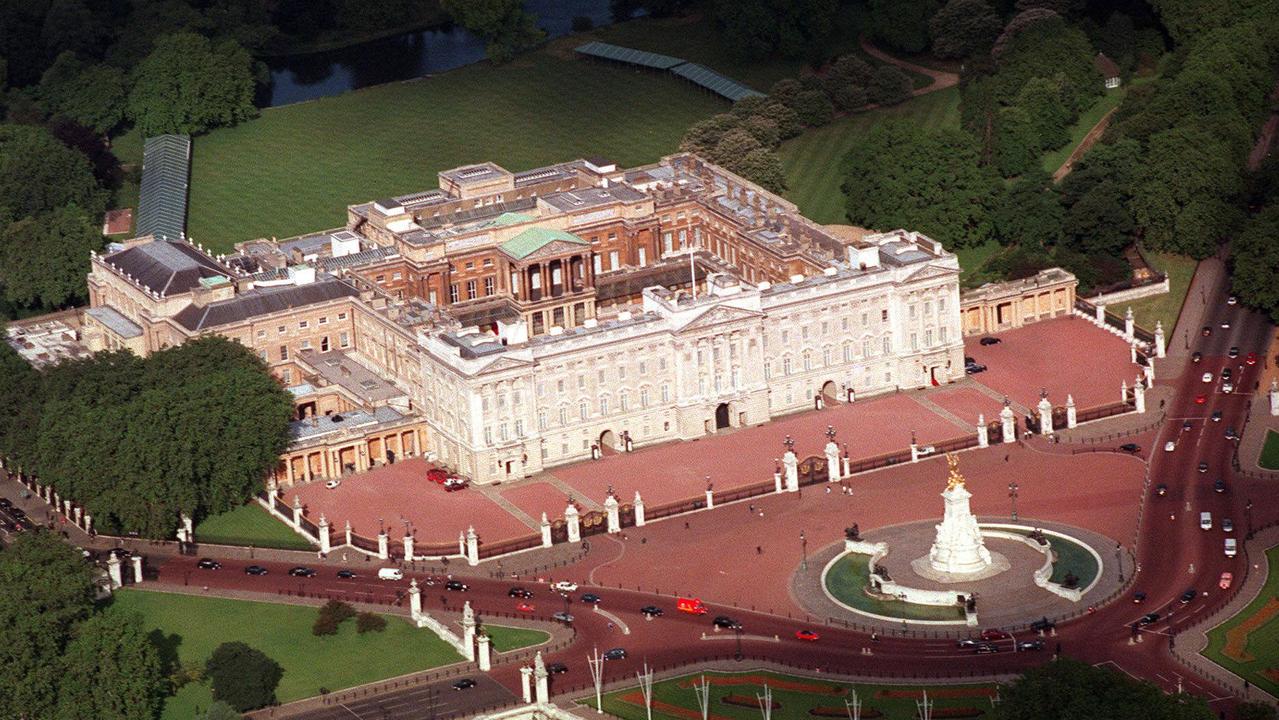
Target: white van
<point>1205,521</point>
<point>390,574</point>
<point>1232,547</point>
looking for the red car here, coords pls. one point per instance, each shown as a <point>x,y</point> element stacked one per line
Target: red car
<point>1251,359</point>
<point>1201,399</point>
<point>1226,578</point>
<point>808,635</point>
<point>525,607</point>
<point>437,475</point>
<point>994,634</point>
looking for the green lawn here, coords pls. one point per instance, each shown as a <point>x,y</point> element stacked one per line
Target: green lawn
<point>1073,558</point>
<point>1090,117</point>
<point>252,525</point>
<point>848,577</point>
<point>1269,458</point>
<point>1167,307</point>
<point>813,160</point>
<point>1262,643</point>
<point>194,626</point>
<point>505,639</point>
<point>296,168</point>
<point>794,700</point>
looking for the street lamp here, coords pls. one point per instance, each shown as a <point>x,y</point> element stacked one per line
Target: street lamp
<point>1247,512</point>
<point>789,444</point>
<point>830,433</point>
<point>1013,487</point>
<point>1119,560</point>
<point>737,628</point>
<point>803,546</point>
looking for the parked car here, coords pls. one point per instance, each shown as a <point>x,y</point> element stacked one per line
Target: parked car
<point>807,635</point>
<point>986,649</point>
<point>1227,387</point>
<point>1161,489</point>
<point>726,622</point>
<point>967,643</point>
<point>1207,377</point>
<point>1035,644</point>
<point>556,668</point>
<point>464,684</point>
<point>390,574</point>
<point>1230,433</point>
<point>990,634</point>
<point>1251,359</point>
<point>990,340</point>
<point>1196,357</point>
<point>1225,324</point>
<point>1201,399</point>
<point>615,654</point>
<point>1149,619</point>
<point>209,564</point>
<point>1207,330</point>
<point>1203,467</point>
<point>1216,416</point>
<point>651,611</point>
<point>1186,426</point>
<point>519,592</point>
<point>974,368</point>
<point>1219,486</point>
<point>591,598</point>
<point>1187,596</point>
<point>1133,448</point>
<point>1232,547</point>
<point>1232,300</point>
<point>1042,625</point>
<point>255,570</point>
<point>453,484</point>
<point>564,586</point>
<point>1170,446</point>
<point>1139,597</point>
<point>5,503</point>
<point>456,586</point>
<point>301,571</point>
<point>437,475</point>
<point>1234,352</point>
<point>1205,521</point>
<point>1226,374</point>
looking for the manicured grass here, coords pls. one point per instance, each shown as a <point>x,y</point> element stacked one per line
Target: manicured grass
<point>1269,458</point>
<point>813,161</point>
<point>1090,117</point>
<point>971,260</point>
<point>1263,641</point>
<point>796,696</point>
<point>195,626</point>
<point>505,639</point>
<point>1167,307</point>
<point>296,168</point>
<point>849,576</point>
<point>252,525</point>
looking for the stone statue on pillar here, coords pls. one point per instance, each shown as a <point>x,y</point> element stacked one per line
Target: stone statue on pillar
<point>468,630</point>
<point>790,462</point>
<point>540,676</point>
<point>612,513</point>
<point>1139,396</point>
<point>574,522</point>
<point>324,534</point>
<point>546,531</point>
<point>1161,345</point>
<point>1008,424</point>
<point>472,547</point>
<point>983,432</point>
<point>1045,413</point>
<point>832,456</point>
<point>959,551</point>
<point>1128,323</point>
<point>1274,397</point>
<point>1071,415</point>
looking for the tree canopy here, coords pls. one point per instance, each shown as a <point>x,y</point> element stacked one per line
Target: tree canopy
<point>188,84</point>
<point>1067,689</point>
<point>39,174</point>
<point>791,28</point>
<point>91,94</point>
<point>963,28</point>
<point>44,259</point>
<point>243,677</point>
<point>504,25</point>
<point>113,671</point>
<point>902,24</point>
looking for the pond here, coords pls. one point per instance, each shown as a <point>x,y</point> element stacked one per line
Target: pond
<point>295,78</point>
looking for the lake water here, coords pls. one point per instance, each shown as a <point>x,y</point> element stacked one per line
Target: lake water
<point>295,78</point>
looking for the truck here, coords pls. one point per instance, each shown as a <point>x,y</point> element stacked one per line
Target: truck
<point>692,606</point>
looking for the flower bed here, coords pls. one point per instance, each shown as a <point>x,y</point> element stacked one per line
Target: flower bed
<point>842,712</point>
<point>749,701</point>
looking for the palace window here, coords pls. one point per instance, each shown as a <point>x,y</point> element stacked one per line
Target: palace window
<point>643,397</point>
<point>488,285</point>
<point>453,296</point>
<point>666,393</point>
<point>471,293</point>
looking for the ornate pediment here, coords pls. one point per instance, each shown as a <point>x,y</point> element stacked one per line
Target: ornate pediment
<point>554,249</point>
<point>718,315</point>
<point>505,363</point>
<point>928,272</point>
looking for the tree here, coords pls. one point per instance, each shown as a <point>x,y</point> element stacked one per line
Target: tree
<point>1255,262</point>
<point>1100,223</point>
<point>1049,48</point>
<point>764,130</point>
<point>39,174</point>
<point>1185,167</point>
<point>1049,108</point>
<point>1256,711</point>
<point>850,97</point>
<point>369,622</point>
<point>889,86</point>
<point>1115,162</point>
<point>1070,689</point>
<point>1016,145</point>
<point>755,29</point>
<point>243,677</point>
<point>1118,40</point>
<point>504,25</point>
<point>191,85</point>
<point>219,710</point>
<point>903,176</point>
<point>764,168</point>
<point>786,91</point>
<point>44,259</point>
<point>788,124</point>
<point>704,135</point>
<point>1029,212</point>
<point>92,95</point>
<point>849,69</point>
<point>902,24</point>
<point>733,146</point>
<point>69,25</point>
<point>963,28</point>
<point>45,589</point>
<point>814,108</point>
<point>111,672</point>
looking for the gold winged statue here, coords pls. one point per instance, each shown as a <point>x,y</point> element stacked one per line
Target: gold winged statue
<point>955,480</point>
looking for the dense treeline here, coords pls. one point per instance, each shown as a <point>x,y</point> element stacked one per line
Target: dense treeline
<point>190,430</point>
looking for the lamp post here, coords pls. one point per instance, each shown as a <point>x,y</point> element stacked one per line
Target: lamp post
<point>1013,487</point>
<point>1247,513</point>
<point>1119,560</point>
<point>803,548</point>
<point>789,444</point>
<point>737,629</point>
<point>830,433</point>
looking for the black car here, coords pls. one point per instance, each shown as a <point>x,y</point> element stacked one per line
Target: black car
<point>1196,357</point>
<point>255,570</point>
<point>967,643</point>
<point>18,513</point>
<point>974,368</point>
<point>1234,352</point>
<point>209,564</point>
<point>724,621</point>
<point>556,668</point>
<point>591,598</point>
<point>1148,619</point>
<point>1219,486</point>
<point>346,574</point>
<point>519,592</point>
<point>456,586</point>
<point>1185,426</point>
<point>1226,374</point>
<point>986,648</point>
<point>1188,595</point>
<point>1042,625</point>
<point>1161,489</point>
<point>615,654</point>
<point>1203,467</point>
<point>1216,416</point>
<point>990,340</point>
<point>1035,644</point>
<point>1139,597</point>
<point>300,571</point>
<point>1206,331</point>
<point>1230,433</point>
<point>464,684</point>
<point>1133,448</point>
<point>5,503</point>
<point>652,611</point>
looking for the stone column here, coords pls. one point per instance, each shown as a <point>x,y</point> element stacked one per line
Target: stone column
<point>1161,345</point>
<point>574,523</point>
<point>710,498</point>
<point>415,599</point>
<point>832,462</point>
<point>113,571</point>
<point>468,630</point>
<point>66,507</point>
<point>297,511</point>
<point>546,531</point>
<point>983,432</point>
<point>1101,314</point>
<point>1071,416</point>
<point>137,569</point>
<point>383,546</point>
<point>324,534</point>
<point>611,510</point>
<point>914,452</point>
<point>348,532</point>
<point>485,661</point>
<point>540,675</point>
<point>791,464</point>
<point>526,683</point>
<point>1007,423</point>
<point>461,543</point>
<point>88,520</point>
<point>1274,397</point>
<point>472,547</point>
<point>1045,415</point>
<point>1139,396</point>
<point>1132,353</point>
<point>1149,370</point>
<point>777,480</point>
<point>1123,390</point>
<point>846,463</point>
<point>79,516</point>
<point>639,510</point>
<point>1129,325</point>
<point>408,547</point>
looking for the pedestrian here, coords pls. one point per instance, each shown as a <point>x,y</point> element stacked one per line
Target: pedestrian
<point>759,550</point>
<point>1005,457</point>
<point>685,524</point>
<point>752,508</point>
<point>828,489</point>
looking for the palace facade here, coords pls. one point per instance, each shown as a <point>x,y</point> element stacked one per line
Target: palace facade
<point>510,322</point>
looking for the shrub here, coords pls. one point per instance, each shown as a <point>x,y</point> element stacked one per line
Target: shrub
<point>889,86</point>
<point>369,622</point>
<point>850,97</point>
<point>814,108</point>
<point>582,23</point>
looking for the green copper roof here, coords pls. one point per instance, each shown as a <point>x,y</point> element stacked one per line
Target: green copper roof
<point>534,239</point>
<point>512,218</point>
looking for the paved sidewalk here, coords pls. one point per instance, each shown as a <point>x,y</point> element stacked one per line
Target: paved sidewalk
<point>1208,274</point>
<point>1192,642</point>
<point>1258,425</point>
